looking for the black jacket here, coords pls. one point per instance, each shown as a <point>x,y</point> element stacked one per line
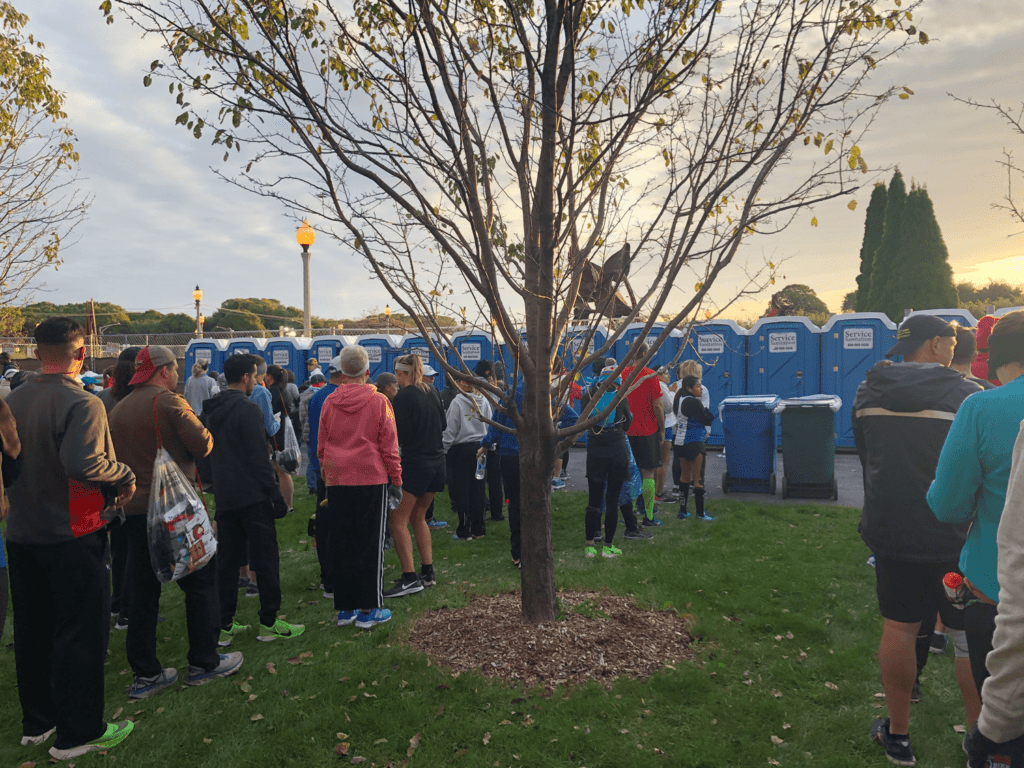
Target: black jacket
<point>607,441</point>
<point>243,474</point>
<point>901,416</point>
<point>421,421</point>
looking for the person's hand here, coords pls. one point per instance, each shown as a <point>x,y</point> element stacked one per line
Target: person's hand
<point>124,495</point>
<point>481,453</point>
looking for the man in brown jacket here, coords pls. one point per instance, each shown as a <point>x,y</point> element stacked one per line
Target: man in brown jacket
<point>150,416</point>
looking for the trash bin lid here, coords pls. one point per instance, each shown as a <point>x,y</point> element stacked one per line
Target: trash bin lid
<point>750,402</point>
<point>833,402</point>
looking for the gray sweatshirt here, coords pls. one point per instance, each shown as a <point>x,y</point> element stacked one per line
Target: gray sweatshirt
<point>464,419</point>
<point>1002,711</point>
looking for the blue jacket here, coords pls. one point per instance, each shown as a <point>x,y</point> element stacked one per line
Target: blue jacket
<point>316,405</point>
<point>261,396</point>
<point>507,442</point>
<point>972,475</point>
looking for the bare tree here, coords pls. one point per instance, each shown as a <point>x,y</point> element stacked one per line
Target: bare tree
<point>40,205</point>
<point>1014,118</point>
<point>493,152</point>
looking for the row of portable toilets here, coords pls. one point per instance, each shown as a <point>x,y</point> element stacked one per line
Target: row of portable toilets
<point>784,356</point>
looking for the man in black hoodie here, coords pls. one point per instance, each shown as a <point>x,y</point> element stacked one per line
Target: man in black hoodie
<point>248,500</point>
<point>901,415</point>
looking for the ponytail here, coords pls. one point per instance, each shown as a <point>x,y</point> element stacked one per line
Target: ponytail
<point>415,370</point>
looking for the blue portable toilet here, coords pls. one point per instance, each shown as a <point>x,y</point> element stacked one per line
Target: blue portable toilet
<point>415,344</point>
<point>784,357</point>
<point>323,349</point>
<point>1007,310</point>
<point>571,348</point>
<point>507,356</point>
<point>720,346</point>
<point>472,346</point>
<point>380,349</point>
<point>961,316</point>
<point>246,346</point>
<point>210,350</point>
<point>850,345</point>
<point>290,353</point>
<point>667,352</point>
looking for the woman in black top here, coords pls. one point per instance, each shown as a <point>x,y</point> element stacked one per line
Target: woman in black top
<point>420,421</point>
<point>275,383</point>
<point>607,467</point>
<point>692,418</point>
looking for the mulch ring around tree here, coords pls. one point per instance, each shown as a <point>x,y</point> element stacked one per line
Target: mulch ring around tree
<point>600,638</point>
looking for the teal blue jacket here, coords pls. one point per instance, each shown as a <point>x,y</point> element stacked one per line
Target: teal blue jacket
<point>973,472</point>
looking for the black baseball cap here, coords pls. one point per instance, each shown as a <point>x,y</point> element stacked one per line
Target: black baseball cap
<point>916,330</point>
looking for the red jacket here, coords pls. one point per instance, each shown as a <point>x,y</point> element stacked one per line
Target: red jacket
<point>358,441</point>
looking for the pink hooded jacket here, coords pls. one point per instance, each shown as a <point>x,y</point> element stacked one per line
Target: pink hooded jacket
<point>358,442</point>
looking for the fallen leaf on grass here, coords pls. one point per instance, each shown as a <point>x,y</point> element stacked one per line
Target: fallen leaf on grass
<point>960,728</point>
<point>833,686</point>
<point>381,741</point>
<point>208,741</point>
<point>879,695</point>
<point>252,697</point>
<point>118,713</point>
<point>789,635</point>
<point>246,688</point>
<point>658,751</point>
<point>160,710</point>
<point>254,718</point>
<point>294,660</point>
<point>271,668</point>
<point>140,711</point>
<point>27,765</point>
<point>341,736</point>
<point>440,710</point>
<point>306,655</point>
<point>487,739</point>
<point>341,750</point>
<point>776,694</point>
<point>347,718</point>
<point>776,740</point>
<point>505,722</point>
<point>413,743</point>
<point>773,762</point>
<point>748,682</point>
<point>358,760</point>
<point>786,726</point>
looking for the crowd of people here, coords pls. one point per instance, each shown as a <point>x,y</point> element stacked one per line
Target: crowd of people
<point>936,444</point>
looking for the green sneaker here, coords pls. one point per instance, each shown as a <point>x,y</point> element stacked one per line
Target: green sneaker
<point>281,629</point>
<point>233,631</point>
<point>590,552</point>
<point>114,735</point>
<point>611,551</point>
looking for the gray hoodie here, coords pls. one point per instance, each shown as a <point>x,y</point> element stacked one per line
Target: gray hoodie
<point>464,419</point>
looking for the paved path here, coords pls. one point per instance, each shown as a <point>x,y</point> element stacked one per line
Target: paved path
<point>848,476</point>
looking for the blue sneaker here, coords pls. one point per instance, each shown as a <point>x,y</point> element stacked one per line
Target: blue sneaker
<point>373,618</point>
<point>436,524</point>
<point>144,687</point>
<point>229,665</point>
<point>347,617</point>
<point>652,522</point>
<point>557,484</point>
<point>684,514</point>
<point>706,518</point>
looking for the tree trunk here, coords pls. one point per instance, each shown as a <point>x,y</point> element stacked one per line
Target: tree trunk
<point>536,461</point>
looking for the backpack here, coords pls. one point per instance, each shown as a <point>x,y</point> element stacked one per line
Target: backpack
<point>603,402</point>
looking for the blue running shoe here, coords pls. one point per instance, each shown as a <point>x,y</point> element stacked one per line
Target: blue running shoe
<point>373,618</point>
<point>347,617</point>
<point>706,518</point>
<point>434,523</point>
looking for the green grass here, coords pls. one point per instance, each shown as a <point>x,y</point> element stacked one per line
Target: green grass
<point>761,571</point>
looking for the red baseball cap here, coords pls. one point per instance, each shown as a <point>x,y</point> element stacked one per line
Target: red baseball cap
<point>148,360</point>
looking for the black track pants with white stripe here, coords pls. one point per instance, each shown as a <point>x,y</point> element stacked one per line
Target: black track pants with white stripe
<point>355,519</point>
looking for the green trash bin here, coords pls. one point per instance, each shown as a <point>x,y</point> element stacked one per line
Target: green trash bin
<point>809,446</point>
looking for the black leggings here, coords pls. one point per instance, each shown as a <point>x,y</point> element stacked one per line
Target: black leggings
<point>3,599</point>
<point>610,491</point>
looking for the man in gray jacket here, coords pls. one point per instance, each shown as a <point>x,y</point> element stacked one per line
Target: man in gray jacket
<point>68,479</point>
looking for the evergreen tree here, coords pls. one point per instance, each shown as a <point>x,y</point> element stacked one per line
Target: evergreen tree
<point>874,225</point>
<point>923,278</point>
<point>885,264</point>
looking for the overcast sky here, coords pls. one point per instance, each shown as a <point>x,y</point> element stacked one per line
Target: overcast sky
<point>161,222</point>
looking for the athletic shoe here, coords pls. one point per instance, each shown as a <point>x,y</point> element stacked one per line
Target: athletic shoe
<point>347,617</point>
<point>915,692</point>
<point>329,594</point>
<point>229,664</point>
<point>403,588</point>
<point>666,498</point>
<point>114,735</point>
<point>461,538</point>
<point>144,687</point>
<point>35,741</point>
<point>243,582</point>
<point>373,618</point>
<point>233,631</point>
<point>938,644</point>
<point>637,535</point>
<point>706,518</point>
<point>611,551</point>
<point>427,579</point>
<point>590,552</point>
<point>898,750</point>
<point>557,484</point>
<point>684,515</point>
<point>281,630</point>
<point>252,590</point>
<point>121,623</point>
<point>436,524</point>
<point>652,523</point>
<point>564,476</point>
<point>871,561</point>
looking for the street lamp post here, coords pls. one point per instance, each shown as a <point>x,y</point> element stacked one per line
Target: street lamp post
<point>387,314</point>
<point>197,294</point>
<point>305,237</point>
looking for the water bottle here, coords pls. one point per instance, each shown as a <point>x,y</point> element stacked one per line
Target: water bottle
<point>956,591</point>
<point>481,468</point>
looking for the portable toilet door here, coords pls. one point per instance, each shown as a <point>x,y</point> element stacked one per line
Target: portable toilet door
<point>210,350</point>
<point>961,316</point>
<point>323,349</point>
<point>667,352</point>
<point>720,347</point>
<point>575,337</point>
<point>472,346</point>
<point>850,345</point>
<point>415,344</point>
<point>246,346</point>
<point>290,353</point>
<point>784,357</point>
<point>380,349</point>
<point>508,361</point>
